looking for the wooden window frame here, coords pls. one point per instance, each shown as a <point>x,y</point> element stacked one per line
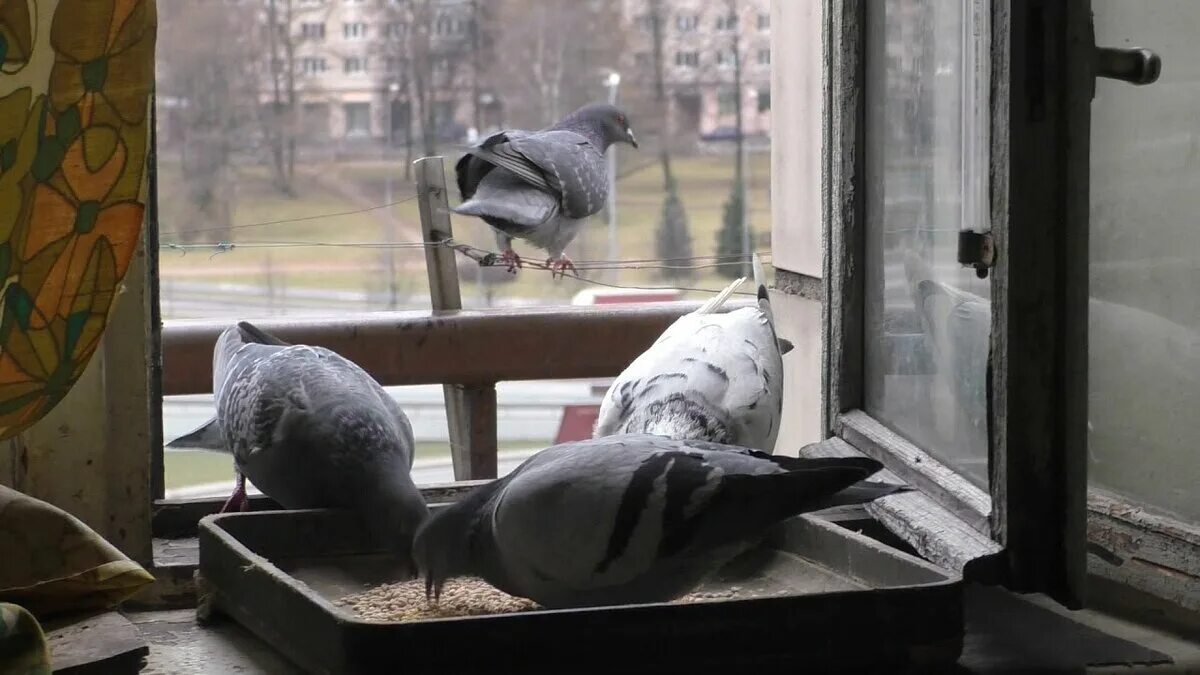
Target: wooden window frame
<point>949,521</point>
<point>1037,436</point>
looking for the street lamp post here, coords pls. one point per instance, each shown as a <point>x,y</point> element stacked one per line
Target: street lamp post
<point>389,133</point>
<point>612,82</point>
<point>746,243</point>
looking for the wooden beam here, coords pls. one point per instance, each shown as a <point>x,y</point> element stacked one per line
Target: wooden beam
<point>934,532</point>
<point>463,347</point>
<point>843,210</point>
<point>434,206</point>
<point>1154,553</point>
<point>1042,51</point>
<point>91,454</point>
<point>918,468</point>
<point>477,455</point>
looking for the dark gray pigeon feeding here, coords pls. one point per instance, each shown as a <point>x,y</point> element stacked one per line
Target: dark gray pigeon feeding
<point>708,377</point>
<point>627,519</point>
<point>541,186</point>
<point>311,429</point>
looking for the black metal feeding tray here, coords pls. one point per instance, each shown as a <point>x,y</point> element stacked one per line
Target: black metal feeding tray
<point>814,596</point>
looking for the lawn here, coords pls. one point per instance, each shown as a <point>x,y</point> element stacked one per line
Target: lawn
<point>357,189</point>
<point>196,467</point>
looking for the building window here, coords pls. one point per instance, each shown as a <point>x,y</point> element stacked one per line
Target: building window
<point>727,102</point>
<point>312,31</point>
<point>644,23</point>
<point>726,58</point>
<point>311,3</point>
<point>313,65</point>
<point>356,30</point>
<point>445,25</point>
<point>393,64</point>
<point>727,22</point>
<point>358,119</point>
<point>764,100</point>
<point>687,59</point>
<point>764,22</point>
<point>396,29</point>
<point>354,2</point>
<point>687,23</point>
<point>764,57</point>
<point>354,65</point>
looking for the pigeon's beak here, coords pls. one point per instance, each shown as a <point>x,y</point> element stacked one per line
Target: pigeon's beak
<point>632,138</point>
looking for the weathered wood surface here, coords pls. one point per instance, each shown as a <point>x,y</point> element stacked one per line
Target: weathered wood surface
<point>461,347</point>
<point>1154,553</point>
<point>935,533</point>
<point>1038,415</point>
<point>97,644</point>
<point>918,468</point>
<point>440,266</point>
<point>843,210</point>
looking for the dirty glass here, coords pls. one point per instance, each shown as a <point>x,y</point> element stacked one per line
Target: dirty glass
<point>927,319</point>
<point>1144,319</point>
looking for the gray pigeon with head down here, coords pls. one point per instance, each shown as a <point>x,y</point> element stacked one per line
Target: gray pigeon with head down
<point>541,186</point>
<point>311,429</point>
<point>709,377</point>
<point>627,519</point>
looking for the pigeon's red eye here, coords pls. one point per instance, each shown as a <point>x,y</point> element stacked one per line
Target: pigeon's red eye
<point>621,119</point>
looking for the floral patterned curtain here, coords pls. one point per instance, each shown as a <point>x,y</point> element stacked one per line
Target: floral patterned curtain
<point>75,83</point>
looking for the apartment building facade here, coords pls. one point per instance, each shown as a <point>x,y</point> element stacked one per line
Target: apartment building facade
<point>353,84</point>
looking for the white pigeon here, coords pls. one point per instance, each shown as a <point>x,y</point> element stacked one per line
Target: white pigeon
<point>311,429</point>
<point>627,519</point>
<point>709,376</point>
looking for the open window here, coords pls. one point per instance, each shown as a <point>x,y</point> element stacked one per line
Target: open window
<point>995,331</point>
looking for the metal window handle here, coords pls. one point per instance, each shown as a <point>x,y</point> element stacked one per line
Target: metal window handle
<point>1135,66</point>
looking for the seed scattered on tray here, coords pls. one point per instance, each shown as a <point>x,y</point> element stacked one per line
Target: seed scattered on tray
<point>467,596</point>
<point>405,601</point>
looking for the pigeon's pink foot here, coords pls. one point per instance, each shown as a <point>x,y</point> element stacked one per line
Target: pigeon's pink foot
<point>237,501</point>
<point>560,266</point>
<point>510,258</point>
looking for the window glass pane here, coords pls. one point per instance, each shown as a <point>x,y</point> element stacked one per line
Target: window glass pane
<point>1144,376</point>
<point>927,318</point>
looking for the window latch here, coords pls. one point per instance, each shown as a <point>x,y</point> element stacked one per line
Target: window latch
<point>976,249</point>
<point>1135,66</point>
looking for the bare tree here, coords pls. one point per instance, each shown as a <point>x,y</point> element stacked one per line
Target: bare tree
<point>674,239</point>
<point>213,98</point>
<point>430,42</point>
<point>556,55</point>
<point>734,237</point>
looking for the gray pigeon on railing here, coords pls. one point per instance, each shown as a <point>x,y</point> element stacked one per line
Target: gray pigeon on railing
<point>541,186</point>
<point>627,519</point>
<point>709,376</point>
<point>311,429</point>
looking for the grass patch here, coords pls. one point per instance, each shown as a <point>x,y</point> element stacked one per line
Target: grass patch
<point>704,181</point>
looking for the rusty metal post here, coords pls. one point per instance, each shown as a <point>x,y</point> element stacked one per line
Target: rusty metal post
<point>470,411</point>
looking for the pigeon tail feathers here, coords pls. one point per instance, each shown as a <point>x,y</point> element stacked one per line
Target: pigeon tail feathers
<point>717,301</point>
<point>764,302</point>
<point>256,335</point>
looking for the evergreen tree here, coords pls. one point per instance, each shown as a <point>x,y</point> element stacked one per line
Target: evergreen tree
<point>673,239</point>
<point>729,237</point>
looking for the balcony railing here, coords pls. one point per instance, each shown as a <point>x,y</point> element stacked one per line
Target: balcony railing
<point>470,350</point>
